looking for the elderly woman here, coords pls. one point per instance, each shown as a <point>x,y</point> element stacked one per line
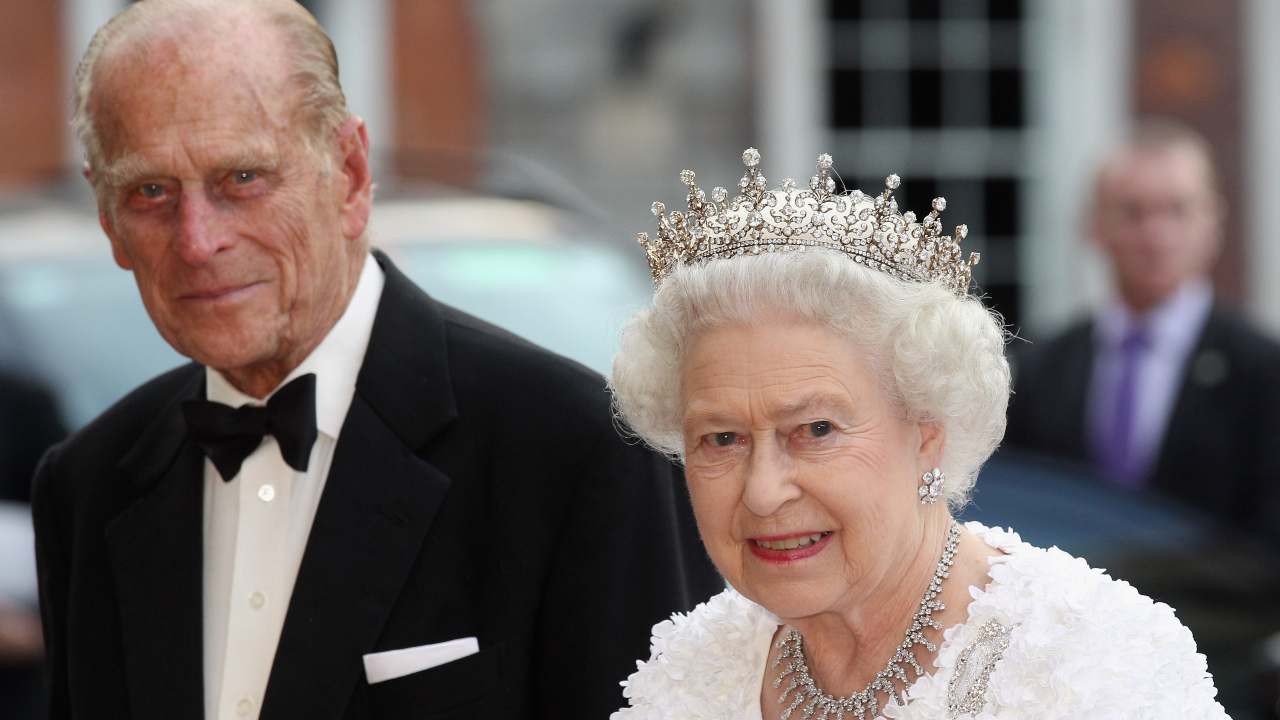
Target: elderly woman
<point>815,361</point>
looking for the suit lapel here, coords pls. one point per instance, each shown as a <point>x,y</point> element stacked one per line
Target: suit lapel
<point>1190,398</point>
<point>379,502</point>
<point>156,553</point>
<point>405,375</point>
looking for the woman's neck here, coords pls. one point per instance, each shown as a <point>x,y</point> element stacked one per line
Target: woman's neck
<point>845,649</point>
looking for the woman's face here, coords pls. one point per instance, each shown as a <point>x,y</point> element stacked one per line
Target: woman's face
<point>803,478</point>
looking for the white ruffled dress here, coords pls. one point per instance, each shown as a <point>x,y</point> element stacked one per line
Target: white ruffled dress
<point>1073,644</point>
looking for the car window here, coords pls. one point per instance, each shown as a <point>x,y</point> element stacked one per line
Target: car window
<point>82,327</point>
<point>571,298</point>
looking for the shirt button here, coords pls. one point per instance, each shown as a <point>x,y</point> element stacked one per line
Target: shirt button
<point>257,600</point>
<point>244,707</point>
<point>266,492</point>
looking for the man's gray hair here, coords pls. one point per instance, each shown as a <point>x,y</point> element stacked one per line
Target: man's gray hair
<point>322,107</point>
<point>939,359</point>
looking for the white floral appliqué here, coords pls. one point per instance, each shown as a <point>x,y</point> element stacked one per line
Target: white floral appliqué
<point>1080,646</point>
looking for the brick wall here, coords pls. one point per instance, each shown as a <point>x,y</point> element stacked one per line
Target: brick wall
<point>32,103</point>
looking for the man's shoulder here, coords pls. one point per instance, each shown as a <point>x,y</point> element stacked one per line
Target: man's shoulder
<point>112,434</point>
<point>1229,330</point>
<point>482,353</point>
<point>18,390</point>
<point>483,361</point>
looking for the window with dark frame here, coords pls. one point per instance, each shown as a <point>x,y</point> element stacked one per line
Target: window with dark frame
<point>889,71</point>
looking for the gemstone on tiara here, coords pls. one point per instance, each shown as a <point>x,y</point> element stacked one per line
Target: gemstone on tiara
<point>869,229</point>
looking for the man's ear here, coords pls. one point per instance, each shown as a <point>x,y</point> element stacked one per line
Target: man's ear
<point>357,202</point>
<point>117,248</point>
<point>933,440</point>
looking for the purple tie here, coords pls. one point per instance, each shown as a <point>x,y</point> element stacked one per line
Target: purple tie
<point>1119,463</point>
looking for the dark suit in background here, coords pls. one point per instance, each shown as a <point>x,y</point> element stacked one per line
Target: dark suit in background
<point>29,424</point>
<point>479,488</point>
<point>1222,441</point>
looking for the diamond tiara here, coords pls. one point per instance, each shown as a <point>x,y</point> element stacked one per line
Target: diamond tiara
<point>869,229</point>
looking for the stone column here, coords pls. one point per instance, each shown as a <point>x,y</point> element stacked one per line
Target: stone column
<point>1078,62</point>
<point>1262,161</point>
<point>438,98</point>
<point>791,102</point>
<point>32,105</point>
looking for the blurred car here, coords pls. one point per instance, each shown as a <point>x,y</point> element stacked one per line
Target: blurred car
<point>70,316</point>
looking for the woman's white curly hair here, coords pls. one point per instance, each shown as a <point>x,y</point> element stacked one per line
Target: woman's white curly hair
<point>938,358</point>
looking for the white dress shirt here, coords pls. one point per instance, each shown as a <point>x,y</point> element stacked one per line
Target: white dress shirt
<point>256,525</point>
<point>1174,328</point>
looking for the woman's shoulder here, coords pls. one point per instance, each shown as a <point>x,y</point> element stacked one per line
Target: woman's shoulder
<point>706,663</point>
<point>1039,585</point>
<point>1078,638</point>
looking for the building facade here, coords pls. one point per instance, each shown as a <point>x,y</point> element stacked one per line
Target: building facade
<point>1002,106</point>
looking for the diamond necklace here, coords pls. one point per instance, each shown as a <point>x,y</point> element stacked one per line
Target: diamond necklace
<point>861,703</point>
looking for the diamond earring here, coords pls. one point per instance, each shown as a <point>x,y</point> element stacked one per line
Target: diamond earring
<point>931,486</point>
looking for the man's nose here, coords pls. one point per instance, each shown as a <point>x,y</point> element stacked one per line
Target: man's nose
<point>770,478</point>
<point>1159,230</point>
<point>202,231</point>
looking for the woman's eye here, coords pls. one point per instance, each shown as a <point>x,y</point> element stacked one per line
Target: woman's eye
<point>152,190</point>
<point>244,177</point>
<point>820,428</point>
<point>724,438</point>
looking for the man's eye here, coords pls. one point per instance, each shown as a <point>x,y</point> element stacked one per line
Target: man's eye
<point>724,438</point>
<point>244,177</point>
<point>820,428</point>
<point>152,190</point>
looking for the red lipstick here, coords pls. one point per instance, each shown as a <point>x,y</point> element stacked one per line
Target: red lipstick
<point>785,556</point>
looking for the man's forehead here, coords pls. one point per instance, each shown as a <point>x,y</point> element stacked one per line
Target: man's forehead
<point>1174,160</point>
<point>1166,172</point>
<point>171,90</point>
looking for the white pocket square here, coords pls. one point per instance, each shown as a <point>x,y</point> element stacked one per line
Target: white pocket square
<point>392,664</point>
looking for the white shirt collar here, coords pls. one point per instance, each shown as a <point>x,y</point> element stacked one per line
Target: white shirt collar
<point>1177,321</point>
<point>336,361</point>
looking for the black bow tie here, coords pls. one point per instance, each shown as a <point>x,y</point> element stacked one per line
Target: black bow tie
<point>228,435</point>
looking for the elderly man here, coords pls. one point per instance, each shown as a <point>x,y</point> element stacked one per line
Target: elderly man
<point>1161,389</point>
<point>356,502</point>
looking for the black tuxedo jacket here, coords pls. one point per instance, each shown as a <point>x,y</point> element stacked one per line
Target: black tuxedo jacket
<point>1222,441</point>
<point>479,488</point>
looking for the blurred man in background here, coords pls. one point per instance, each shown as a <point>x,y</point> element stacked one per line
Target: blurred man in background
<point>1161,388</point>
<point>29,424</point>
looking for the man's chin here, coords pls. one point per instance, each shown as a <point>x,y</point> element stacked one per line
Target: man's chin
<point>215,350</point>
